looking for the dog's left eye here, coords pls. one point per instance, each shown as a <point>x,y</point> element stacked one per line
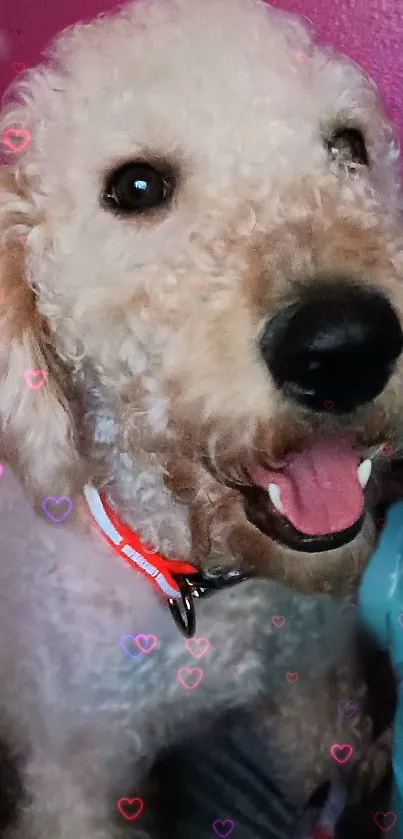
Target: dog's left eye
<point>347,146</point>
<point>137,188</point>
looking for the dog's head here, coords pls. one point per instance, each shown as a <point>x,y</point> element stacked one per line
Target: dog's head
<point>202,256</point>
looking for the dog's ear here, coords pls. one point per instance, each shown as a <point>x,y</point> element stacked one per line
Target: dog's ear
<point>36,428</point>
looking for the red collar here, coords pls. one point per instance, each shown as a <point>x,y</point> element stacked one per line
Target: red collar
<point>158,569</point>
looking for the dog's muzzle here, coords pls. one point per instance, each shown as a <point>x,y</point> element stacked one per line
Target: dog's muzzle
<point>330,350</point>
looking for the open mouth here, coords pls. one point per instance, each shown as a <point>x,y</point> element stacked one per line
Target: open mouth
<point>314,499</point>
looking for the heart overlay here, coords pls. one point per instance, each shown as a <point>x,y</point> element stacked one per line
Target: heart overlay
<point>190,677</point>
<point>128,642</point>
<point>35,378</point>
<point>278,621</point>
<point>223,827</point>
<point>347,708</point>
<point>130,808</point>
<point>145,643</point>
<point>16,139</point>
<point>341,752</point>
<point>65,505</point>
<point>385,821</point>
<point>197,647</point>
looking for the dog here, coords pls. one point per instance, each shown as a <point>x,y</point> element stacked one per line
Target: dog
<point>201,309</point>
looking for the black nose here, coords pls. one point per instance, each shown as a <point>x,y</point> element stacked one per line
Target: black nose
<point>335,348</point>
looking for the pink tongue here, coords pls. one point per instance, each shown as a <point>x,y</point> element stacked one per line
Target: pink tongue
<point>319,487</point>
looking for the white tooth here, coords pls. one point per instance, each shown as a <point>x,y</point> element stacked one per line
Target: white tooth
<point>364,471</point>
<point>274,492</point>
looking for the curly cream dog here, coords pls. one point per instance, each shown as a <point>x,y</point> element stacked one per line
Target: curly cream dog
<point>202,293</point>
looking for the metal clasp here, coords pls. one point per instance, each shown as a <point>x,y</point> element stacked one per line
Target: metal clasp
<point>185,617</point>
<point>200,584</point>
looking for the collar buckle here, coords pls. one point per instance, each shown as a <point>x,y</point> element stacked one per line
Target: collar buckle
<point>185,617</point>
<point>198,585</point>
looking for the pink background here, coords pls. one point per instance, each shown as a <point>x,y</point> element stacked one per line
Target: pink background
<point>370,31</point>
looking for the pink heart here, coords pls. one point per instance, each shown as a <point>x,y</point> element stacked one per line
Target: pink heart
<point>35,378</point>
<point>137,803</point>
<point>292,678</point>
<point>341,752</point>
<point>328,405</point>
<point>223,827</point>
<point>10,135</point>
<point>146,643</point>
<point>199,645</point>
<point>278,621</point>
<point>193,675</point>
<point>18,66</point>
<point>385,821</point>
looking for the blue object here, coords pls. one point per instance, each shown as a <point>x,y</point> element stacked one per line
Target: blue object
<point>381,608</point>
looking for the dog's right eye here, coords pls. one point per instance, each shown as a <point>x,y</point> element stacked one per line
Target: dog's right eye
<point>137,188</point>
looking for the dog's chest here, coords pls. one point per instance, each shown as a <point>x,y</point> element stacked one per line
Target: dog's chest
<point>72,611</point>
<point>98,627</point>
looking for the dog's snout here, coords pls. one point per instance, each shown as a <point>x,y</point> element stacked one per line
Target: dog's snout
<point>334,348</point>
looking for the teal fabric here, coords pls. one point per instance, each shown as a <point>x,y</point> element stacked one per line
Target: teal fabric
<point>381,608</point>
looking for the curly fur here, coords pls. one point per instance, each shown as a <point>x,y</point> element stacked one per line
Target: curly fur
<point>147,331</point>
